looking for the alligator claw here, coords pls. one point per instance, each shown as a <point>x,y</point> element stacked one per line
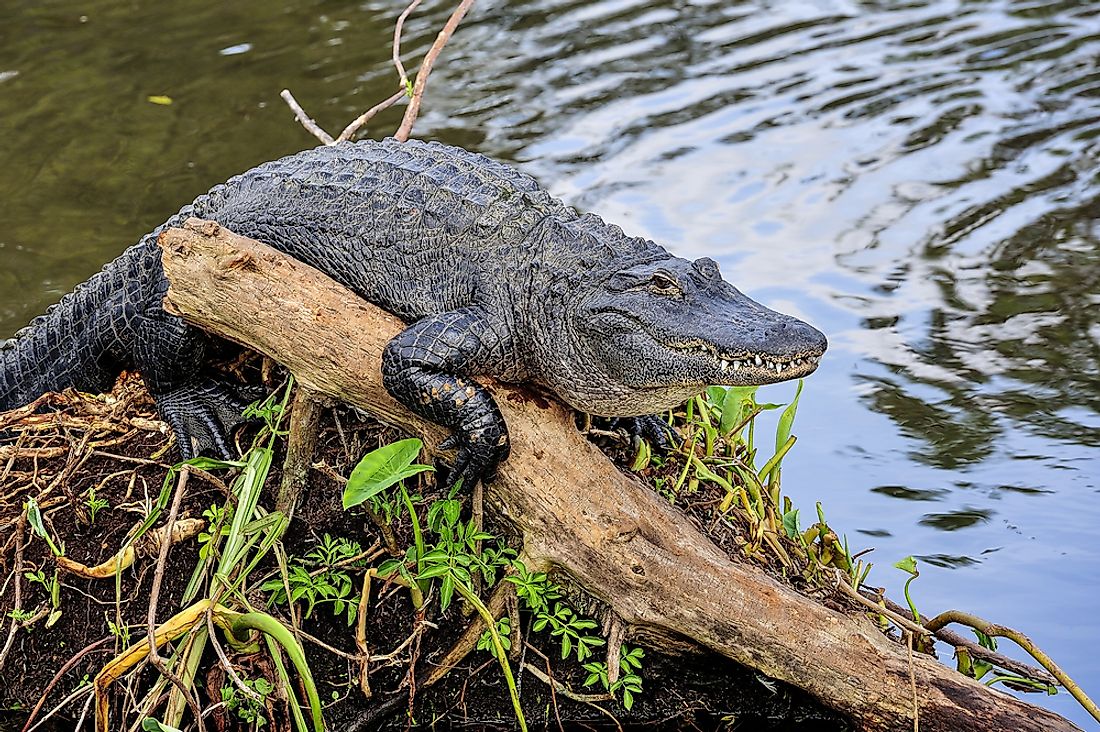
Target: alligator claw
<point>201,414</point>
<point>479,455</point>
<point>651,427</point>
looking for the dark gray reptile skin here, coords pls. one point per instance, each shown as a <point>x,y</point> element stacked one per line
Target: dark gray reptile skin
<point>494,275</point>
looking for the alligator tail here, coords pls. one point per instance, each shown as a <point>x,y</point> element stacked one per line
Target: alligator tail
<point>84,340</point>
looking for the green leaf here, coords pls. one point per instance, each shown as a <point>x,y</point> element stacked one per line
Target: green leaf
<point>381,468</point>
<point>34,518</point>
<point>160,99</point>
<point>732,403</point>
<point>151,725</point>
<point>437,570</point>
<point>907,565</point>
<point>790,523</point>
<point>628,699</point>
<point>446,592</point>
<point>786,420</point>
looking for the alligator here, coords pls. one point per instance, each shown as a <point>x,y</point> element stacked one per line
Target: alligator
<point>494,276</point>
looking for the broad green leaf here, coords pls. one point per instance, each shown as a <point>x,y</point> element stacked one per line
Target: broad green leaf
<point>907,565</point>
<point>736,406</point>
<point>790,523</point>
<point>381,468</point>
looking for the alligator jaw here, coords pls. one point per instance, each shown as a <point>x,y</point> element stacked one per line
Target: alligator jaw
<point>746,368</point>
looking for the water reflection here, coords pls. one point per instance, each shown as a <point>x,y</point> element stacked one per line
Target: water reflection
<point>921,180</point>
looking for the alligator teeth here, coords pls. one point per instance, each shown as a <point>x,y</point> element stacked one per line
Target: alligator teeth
<point>736,365</point>
<point>725,365</point>
<point>757,360</point>
<point>778,368</point>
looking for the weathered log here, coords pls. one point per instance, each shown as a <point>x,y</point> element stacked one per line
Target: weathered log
<point>576,511</point>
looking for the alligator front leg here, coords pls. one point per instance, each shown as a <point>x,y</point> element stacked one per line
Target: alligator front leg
<point>200,410</point>
<point>428,367</point>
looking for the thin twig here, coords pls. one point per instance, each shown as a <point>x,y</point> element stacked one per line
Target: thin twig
<point>79,692</point>
<point>397,43</point>
<point>60,674</point>
<point>614,648</point>
<point>900,620</point>
<point>362,119</point>
<point>17,605</point>
<point>361,637</point>
<point>305,120</point>
<point>560,688</point>
<point>151,616</point>
<point>413,109</point>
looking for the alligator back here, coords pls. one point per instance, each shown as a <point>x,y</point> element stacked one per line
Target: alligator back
<point>416,228</point>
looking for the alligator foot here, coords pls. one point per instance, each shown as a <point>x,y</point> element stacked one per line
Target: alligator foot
<point>201,414</point>
<point>480,453</point>
<point>650,427</point>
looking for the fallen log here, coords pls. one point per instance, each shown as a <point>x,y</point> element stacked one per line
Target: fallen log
<point>614,536</point>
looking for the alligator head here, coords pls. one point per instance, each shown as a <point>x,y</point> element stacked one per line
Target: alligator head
<point>661,331</point>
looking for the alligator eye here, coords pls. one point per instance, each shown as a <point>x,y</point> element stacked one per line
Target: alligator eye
<point>664,285</point>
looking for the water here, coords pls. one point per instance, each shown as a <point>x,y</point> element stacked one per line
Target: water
<point>917,179</point>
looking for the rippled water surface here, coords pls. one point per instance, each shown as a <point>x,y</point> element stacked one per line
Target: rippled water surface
<point>918,179</point>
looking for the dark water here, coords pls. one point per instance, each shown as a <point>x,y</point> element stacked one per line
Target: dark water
<point>918,179</point>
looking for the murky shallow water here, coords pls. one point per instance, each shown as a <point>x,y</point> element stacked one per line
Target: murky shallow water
<point>919,180</point>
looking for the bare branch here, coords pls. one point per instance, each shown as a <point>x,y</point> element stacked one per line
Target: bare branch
<point>361,120</point>
<point>305,119</point>
<point>397,44</point>
<point>413,109</point>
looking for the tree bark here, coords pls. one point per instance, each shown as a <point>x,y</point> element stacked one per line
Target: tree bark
<point>576,511</point>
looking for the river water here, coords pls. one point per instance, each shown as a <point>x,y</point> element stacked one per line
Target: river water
<point>918,179</point>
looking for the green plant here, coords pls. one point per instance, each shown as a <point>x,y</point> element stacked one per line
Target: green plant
<point>52,586</point>
<point>249,708</point>
<point>118,630</point>
<point>34,518</point>
<point>20,615</point>
<point>95,504</point>
<point>629,683</point>
<point>241,535</point>
<point>909,565</point>
<point>542,598</point>
<point>504,632</point>
<point>382,468</point>
<point>328,583</point>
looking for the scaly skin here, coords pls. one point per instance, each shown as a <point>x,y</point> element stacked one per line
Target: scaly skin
<point>494,276</point>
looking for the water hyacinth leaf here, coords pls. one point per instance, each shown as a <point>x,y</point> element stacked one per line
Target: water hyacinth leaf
<point>790,523</point>
<point>909,564</point>
<point>736,406</point>
<point>381,468</point>
<point>786,420</point>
